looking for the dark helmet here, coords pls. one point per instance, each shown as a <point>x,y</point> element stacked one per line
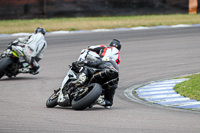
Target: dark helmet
<point>40,30</point>
<point>116,43</point>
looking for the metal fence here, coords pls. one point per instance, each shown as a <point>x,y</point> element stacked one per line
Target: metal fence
<point>25,9</point>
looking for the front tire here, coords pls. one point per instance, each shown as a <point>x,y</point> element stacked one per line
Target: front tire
<point>95,91</point>
<point>4,63</point>
<point>52,101</point>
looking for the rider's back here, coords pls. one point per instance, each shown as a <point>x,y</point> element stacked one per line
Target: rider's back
<point>36,44</point>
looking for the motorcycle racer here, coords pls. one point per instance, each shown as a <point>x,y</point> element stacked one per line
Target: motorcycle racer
<point>103,52</point>
<point>86,72</point>
<point>32,47</point>
<point>112,51</point>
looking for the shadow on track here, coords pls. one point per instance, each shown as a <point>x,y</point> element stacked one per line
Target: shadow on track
<point>20,78</point>
<point>95,108</point>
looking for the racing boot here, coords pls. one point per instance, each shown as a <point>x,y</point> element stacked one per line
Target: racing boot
<point>103,102</point>
<point>109,93</point>
<point>80,81</point>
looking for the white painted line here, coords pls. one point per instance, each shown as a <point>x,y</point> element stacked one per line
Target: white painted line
<point>172,100</point>
<point>161,85</point>
<point>102,30</point>
<point>20,34</point>
<point>139,28</point>
<point>175,81</point>
<point>184,104</point>
<point>155,92</point>
<point>180,25</point>
<point>164,99</point>
<point>154,89</point>
<point>161,96</point>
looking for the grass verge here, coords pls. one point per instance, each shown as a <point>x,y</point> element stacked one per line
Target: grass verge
<point>89,23</point>
<point>190,88</point>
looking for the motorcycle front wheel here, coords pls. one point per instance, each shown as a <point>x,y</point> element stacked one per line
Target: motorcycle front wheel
<point>4,63</point>
<point>84,101</point>
<point>52,101</point>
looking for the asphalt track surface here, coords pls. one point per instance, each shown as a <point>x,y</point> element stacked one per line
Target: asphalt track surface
<point>147,55</point>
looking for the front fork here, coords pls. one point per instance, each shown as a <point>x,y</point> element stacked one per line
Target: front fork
<point>63,100</point>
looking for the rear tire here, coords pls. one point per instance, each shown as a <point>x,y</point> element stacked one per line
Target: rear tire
<point>89,98</point>
<point>4,63</point>
<point>52,101</point>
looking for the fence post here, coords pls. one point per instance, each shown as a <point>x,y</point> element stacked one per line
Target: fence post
<point>193,5</point>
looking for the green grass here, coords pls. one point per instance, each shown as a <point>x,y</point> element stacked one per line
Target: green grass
<point>190,88</point>
<point>90,23</point>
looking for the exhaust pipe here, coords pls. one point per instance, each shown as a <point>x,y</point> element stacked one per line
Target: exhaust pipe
<point>103,74</point>
<point>110,83</point>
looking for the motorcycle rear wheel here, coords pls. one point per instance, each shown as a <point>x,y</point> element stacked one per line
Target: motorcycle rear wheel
<point>52,101</point>
<point>4,63</point>
<point>92,95</point>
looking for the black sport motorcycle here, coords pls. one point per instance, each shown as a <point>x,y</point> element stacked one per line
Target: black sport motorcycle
<point>12,62</point>
<point>79,98</point>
